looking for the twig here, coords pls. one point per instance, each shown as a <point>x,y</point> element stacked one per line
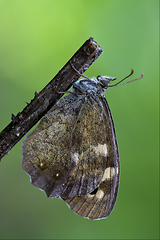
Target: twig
<point>44,100</point>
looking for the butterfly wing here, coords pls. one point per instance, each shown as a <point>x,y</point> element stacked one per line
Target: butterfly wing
<point>88,150</point>
<point>99,203</point>
<point>65,154</point>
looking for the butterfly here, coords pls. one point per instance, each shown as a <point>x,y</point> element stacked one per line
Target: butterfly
<point>73,153</point>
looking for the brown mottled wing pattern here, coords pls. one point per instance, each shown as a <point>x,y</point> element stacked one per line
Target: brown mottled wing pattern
<point>65,155</point>
<point>99,203</point>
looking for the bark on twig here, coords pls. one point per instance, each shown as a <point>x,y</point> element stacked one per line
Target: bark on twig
<point>44,100</point>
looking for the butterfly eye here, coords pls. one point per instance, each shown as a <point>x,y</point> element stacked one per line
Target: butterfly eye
<point>98,77</point>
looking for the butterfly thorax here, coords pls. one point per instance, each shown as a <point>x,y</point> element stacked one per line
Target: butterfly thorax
<point>95,86</point>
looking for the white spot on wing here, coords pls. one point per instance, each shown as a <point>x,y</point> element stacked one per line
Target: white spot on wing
<point>101,149</point>
<point>75,157</point>
<point>117,170</point>
<point>41,164</point>
<point>109,173</point>
<point>100,194</point>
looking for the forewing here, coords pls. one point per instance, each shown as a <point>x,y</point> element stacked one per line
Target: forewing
<point>88,150</point>
<point>100,202</point>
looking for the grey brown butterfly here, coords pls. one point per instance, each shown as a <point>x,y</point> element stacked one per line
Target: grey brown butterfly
<point>72,154</point>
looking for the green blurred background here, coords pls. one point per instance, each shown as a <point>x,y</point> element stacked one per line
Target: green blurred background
<point>37,37</point>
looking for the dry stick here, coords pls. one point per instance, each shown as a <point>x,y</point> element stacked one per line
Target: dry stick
<point>44,100</point>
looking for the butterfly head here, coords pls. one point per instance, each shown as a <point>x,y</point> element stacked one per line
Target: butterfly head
<point>104,81</point>
<point>97,85</point>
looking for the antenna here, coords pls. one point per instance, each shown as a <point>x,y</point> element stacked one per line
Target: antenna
<point>118,84</point>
